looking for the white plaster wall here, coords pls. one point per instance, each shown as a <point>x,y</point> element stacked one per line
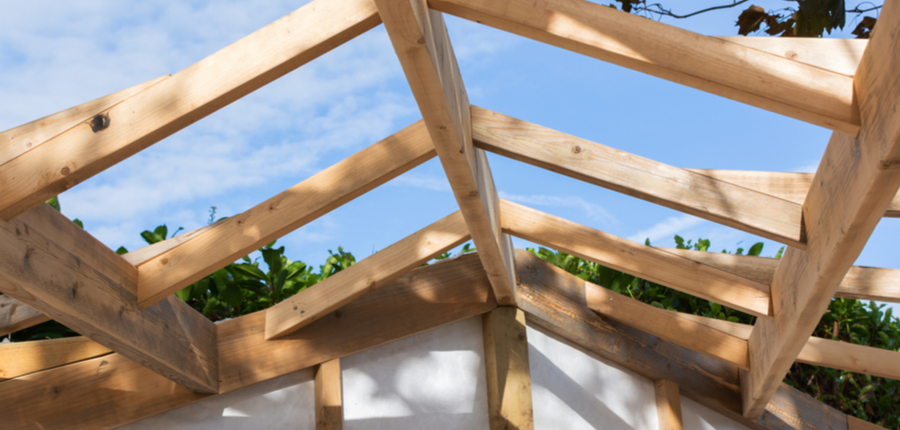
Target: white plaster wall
<point>435,380</point>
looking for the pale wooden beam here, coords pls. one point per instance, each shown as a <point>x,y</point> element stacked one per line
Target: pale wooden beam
<point>329,399</point>
<point>837,55</point>
<point>668,405</point>
<point>52,265</point>
<point>110,391</point>
<point>635,259</point>
<point>366,276</point>
<point>706,63</point>
<point>22,358</point>
<point>669,186</point>
<point>668,325</point>
<point>856,180</point>
<point>15,316</point>
<point>178,262</point>
<point>854,423</point>
<point>161,110</point>
<point>507,371</point>
<point>420,39</point>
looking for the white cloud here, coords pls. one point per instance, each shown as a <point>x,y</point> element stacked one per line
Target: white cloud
<point>592,210</point>
<point>810,167</point>
<point>425,182</point>
<point>666,229</point>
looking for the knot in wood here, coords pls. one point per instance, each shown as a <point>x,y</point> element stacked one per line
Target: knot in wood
<point>64,171</point>
<point>99,123</point>
<point>576,149</point>
<point>164,261</point>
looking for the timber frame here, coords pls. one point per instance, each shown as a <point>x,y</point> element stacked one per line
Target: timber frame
<point>135,333</point>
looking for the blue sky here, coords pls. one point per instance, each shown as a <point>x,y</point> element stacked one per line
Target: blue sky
<point>54,55</point>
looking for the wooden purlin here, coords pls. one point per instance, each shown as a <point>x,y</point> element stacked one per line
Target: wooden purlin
<point>856,181</point>
<point>22,358</point>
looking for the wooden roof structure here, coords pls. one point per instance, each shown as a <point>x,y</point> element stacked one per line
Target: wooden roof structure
<point>144,351</point>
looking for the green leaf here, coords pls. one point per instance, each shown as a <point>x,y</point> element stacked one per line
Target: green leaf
<point>756,249</point>
<point>121,250</point>
<point>54,203</point>
<point>250,270</point>
<point>78,222</point>
<point>272,257</point>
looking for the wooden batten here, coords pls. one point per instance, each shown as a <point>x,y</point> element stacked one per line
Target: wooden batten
<point>507,371</point>
<point>23,358</point>
<point>329,397</point>
<point>15,316</point>
<point>668,405</point>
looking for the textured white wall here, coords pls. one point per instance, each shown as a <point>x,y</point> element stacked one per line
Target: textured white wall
<point>436,381</point>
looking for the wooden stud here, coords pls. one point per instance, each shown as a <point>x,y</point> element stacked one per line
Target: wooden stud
<point>15,316</point>
<point>854,423</point>
<point>706,63</point>
<point>639,260</point>
<point>508,374</point>
<point>22,358</point>
<point>668,405</point>
<point>420,40</point>
<point>329,400</point>
<point>837,55</point>
<point>161,110</point>
<point>856,180</point>
<point>669,186</point>
<point>369,274</point>
<point>178,262</point>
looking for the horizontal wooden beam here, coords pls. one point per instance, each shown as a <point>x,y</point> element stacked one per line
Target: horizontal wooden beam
<point>112,391</point>
<point>706,63</point>
<point>22,358</point>
<point>161,110</point>
<point>52,265</point>
<point>366,276</point>
<point>179,264</point>
<point>837,55</point>
<point>722,202</point>
<point>15,316</point>
<point>639,260</point>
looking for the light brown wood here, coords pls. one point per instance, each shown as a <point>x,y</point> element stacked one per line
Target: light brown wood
<point>507,371</point>
<point>854,423</point>
<point>366,276</point>
<point>329,400</point>
<point>186,97</point>
<point>668,325</point>
<point>22,358</point>
<point>668,405</point>
<point>856,180</point>
<point>181,262</point>
<point>15,316</point>
<point>706,63</point>
<point>837,55</point>
<point>643,261</point>
<point>111,391</point>
<point>420,39</point>
<point>672,187</point>
<point>52,265</point>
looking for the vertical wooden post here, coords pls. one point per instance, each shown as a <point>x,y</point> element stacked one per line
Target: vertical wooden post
<point>507,371</point>
<point>329,403</point>
<point>668,405</point>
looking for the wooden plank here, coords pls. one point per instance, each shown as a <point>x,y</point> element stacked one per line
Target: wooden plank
<point>669,325</point>
<point>22,358</point>
<point>864,283</point>
<point>507,371</point>
<point>854,423</point>
<point>329,401</point>
<point>52,265</point>
<point>639,260</point>
<point>19,140</point>
<point>706,63</point>
<point>856,180</point>
<point>837,55</point>
<point>672,187</point>
<point>15,316</point>
<point>181,262</point>
<point>668,405</point>
<point>112,391</point>
<point>366,276</point>
<point>420,40</point>
<point>186,97</point>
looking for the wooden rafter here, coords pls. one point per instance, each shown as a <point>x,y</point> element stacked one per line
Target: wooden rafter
<point>420,39</point>
<point>22,358</point>
<point>856,180</point>
<point>15,316</point>
<point>507,372</point>
<point>837,55</point>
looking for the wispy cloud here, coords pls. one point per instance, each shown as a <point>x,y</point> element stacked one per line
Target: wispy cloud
<point>666,229</point>
<point>592,210</point>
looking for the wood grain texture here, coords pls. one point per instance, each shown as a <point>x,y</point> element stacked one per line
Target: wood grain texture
<point>111,391</point>
<point>423,47</point>
<point>699,195</point>
<point>507,372</point>
<point>639,260</point>
<point>15,316</point>
<point>22,358</point>
<point>669,325</point>
<point>178,264</point>
<point>78,281</point>
<point>706,63</point>
<point>191,94</point>
<point>837,55</point>
<point>856,180</point>
<point>668,405</point>
<point>366,276</point>
<point>329,398</point>
<point>854,423</point>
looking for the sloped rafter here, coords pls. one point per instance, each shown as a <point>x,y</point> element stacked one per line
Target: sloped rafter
<point>420,39</point>
<point>162,109</point>
<point>856,180</point>
<point>15,316</point>
<point>837,55</point>
<point>669,186</point>
<point>706,63</point>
